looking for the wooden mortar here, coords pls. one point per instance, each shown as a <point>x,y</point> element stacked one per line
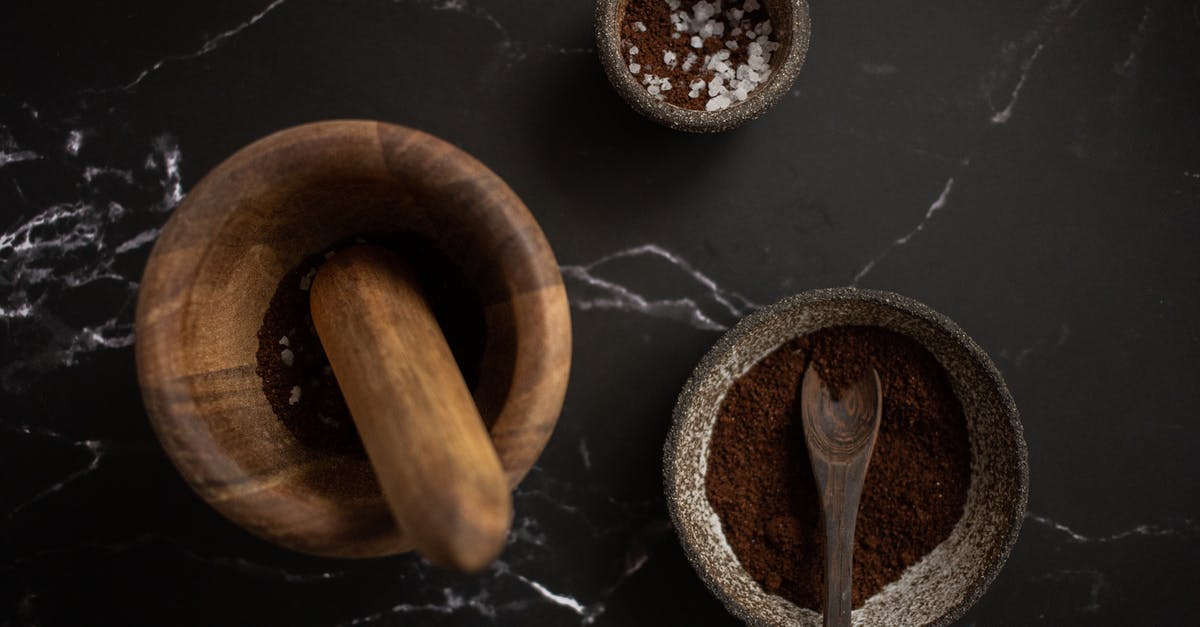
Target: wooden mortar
<point>213,271</point>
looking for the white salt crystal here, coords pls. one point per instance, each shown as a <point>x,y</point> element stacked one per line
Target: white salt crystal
<point>284,341</point>
<point>697,84</point>
<point>740,94</point>
<point>716,86</point>
<point>639,26</point>
<point>689,61</point>
<point>634,68</point>
<point>735,32</point>
<point>718,28</point>
<point>306,280</point>
<point>736,14</point>
<point>634,50</point>
<point>295,397</point>
<point>703,10</point>
<point>654,90</point>
<point>674,4</point>
<point>287,356</point>
<point>669,58</point>
<point>674,35</point>
<point>666,84</point>
<point>723,55</point>
<point>696,43</point>
<point>763,28</point>
<point>751,5</point>
<point>718,103</point>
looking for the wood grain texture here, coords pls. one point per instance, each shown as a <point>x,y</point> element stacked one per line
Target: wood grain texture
<point>429,447</point>
<point>251,220</point>
<point>840,436</point>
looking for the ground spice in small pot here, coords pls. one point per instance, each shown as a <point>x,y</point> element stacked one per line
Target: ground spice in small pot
<point>760,481</point>
<point>297,379</point>
<point>698,54</point>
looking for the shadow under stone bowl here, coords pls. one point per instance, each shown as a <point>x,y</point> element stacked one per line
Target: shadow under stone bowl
<point>791,28</point>
<point>946,582</point>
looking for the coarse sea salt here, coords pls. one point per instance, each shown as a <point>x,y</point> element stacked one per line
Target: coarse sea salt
<point>306,280</point>
<point>722,79</point>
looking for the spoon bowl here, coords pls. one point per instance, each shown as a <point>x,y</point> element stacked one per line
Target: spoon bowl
<point>840,435</point>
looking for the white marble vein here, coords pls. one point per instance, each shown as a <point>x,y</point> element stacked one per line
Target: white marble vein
<point>15,156</point>
<point>614,296</point>
<point>1137,43</point>
<point>10,152</point>
<point>209,45</point>
<point>584,454</point>
<point>507,49</point>
<point>937,205</point>
<point>74,142</point>
<point>95,448</point>
<point>39,256</point>
<point>1019,356</point>
<point>1048,23</point>
<point>1004,115</point>
<point>91,173</point>
<point>1185,528</point>
<point>1096,583</point>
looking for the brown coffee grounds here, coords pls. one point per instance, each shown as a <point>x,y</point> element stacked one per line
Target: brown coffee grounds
<point>297,379</point>
<point>761,485</point>
<point>649,33</point>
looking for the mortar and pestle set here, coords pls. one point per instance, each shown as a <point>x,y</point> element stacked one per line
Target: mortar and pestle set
<point>442,453</point>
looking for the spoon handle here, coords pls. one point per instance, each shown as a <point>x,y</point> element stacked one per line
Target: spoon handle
<point>841,487</point>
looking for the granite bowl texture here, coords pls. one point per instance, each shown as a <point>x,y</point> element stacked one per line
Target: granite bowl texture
<point>792,28</point>
<point>946,582</point>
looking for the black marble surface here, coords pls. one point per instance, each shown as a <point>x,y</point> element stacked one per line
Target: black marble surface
<point>1030,168</point>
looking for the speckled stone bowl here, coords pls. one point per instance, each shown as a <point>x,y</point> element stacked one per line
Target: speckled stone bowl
<point>934,591</point>
<point>791,28</point>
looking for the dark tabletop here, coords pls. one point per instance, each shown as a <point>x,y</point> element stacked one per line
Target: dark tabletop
<point>1030,168</point>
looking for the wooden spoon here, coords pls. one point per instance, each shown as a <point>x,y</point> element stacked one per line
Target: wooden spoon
<point>429,447</point>
<point>840,436</point>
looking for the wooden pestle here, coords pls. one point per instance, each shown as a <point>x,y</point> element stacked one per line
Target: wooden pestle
<point>423,434</point>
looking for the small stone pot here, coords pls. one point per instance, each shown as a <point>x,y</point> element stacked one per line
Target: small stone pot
<point>946,582</point>
<point>792,27</point>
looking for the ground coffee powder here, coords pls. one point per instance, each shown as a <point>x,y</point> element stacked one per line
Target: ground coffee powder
<point>297,379</point>
<point>761,485</point>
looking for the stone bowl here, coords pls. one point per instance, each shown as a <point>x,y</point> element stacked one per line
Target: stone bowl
<point>946,582</point>
<point>792,27</point>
